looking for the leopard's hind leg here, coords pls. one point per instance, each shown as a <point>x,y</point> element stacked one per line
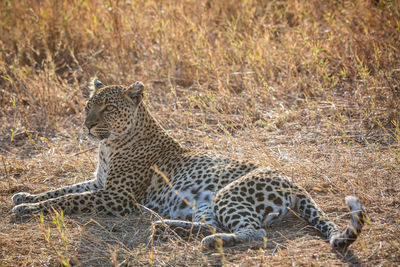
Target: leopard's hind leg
<point>246,206</point>
<point>203,222</point>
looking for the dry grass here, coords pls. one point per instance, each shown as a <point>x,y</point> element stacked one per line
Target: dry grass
<point>311,88</point>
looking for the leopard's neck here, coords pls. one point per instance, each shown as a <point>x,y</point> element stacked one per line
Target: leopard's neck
<point>144,132</point>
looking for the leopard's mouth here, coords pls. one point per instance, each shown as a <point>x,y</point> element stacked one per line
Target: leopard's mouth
<point>99,135</point>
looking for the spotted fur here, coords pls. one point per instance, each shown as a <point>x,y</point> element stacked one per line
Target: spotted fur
<point>231,200</point>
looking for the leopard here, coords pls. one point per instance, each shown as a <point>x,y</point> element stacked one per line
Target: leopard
<point>140,165</point>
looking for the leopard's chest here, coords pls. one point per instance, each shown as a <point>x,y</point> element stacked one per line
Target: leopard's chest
<point>103,164</point>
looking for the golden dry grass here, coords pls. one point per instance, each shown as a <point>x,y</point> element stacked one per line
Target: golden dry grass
<point>310,88</point>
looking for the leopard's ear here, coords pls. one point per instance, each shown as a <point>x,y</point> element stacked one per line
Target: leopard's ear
<point>135,92</point>
<point>94,85</point>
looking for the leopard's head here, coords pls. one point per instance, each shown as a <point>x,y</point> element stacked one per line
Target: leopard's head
<point>111,110</point>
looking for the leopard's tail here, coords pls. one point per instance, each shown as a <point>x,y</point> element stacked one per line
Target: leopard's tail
<point>353,229</point>
<point>308,210</point>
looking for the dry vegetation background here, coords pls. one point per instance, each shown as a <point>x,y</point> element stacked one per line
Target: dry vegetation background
<point>311,87</point>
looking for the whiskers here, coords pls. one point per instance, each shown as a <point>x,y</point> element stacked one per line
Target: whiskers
<point>99,133</point>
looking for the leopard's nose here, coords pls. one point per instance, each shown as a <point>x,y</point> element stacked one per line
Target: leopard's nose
<point>90,124</point>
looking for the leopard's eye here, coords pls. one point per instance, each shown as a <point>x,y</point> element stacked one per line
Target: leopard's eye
<point>109,108</point>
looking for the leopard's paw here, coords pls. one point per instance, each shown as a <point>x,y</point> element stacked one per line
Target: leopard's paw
<point>23,210</point>
<point>218,240</point>
<point>21,197</point>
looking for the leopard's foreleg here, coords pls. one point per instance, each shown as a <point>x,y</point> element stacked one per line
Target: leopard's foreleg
<point>102,201</point>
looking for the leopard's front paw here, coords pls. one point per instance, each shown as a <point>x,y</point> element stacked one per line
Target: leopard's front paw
<point>21,197</point>
<point>23,210</point>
